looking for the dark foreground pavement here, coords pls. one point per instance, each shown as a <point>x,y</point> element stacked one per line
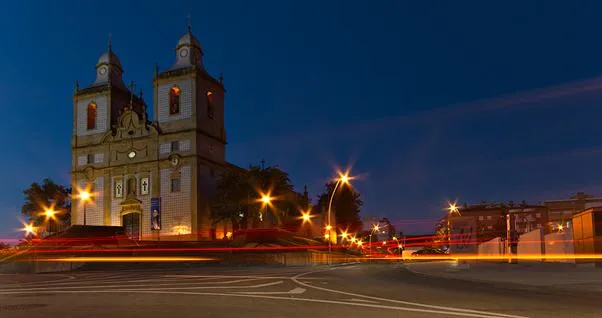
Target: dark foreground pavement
<point>360,290</point>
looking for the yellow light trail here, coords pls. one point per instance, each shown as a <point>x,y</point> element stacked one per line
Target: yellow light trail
<point>126,259</point>
<point>498,257</point>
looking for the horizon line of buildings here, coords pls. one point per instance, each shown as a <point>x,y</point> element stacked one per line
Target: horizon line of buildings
<point>551,216</point>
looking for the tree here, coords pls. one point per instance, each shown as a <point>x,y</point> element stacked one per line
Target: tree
<point>346,205</point>
<point>389,228</point>
<point>239,193</point>
<point>4,246</point>
<point>49,194</point>
<point>232,198</point>
<point>276,183</point>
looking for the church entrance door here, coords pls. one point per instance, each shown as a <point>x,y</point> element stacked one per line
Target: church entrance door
<point>131,224</point>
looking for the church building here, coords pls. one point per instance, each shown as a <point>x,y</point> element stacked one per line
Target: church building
<point>152,176</point>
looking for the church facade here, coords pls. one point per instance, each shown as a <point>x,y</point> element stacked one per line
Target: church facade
<point>153,177</point>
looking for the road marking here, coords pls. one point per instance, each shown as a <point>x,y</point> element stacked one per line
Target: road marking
<point>204,287</point>
<point>295,291</point>
<point>448,309</point>
<point>233,276</point>
<point>67,278</point>
<point>323,301</point>
<point>128,286</point>
<point>364,300</point>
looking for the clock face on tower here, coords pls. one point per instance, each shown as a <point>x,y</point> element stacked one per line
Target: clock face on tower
<point>184,52</point>
<point>102,70</point>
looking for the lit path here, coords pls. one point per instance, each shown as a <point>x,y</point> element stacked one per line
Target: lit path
<point>348,291</point>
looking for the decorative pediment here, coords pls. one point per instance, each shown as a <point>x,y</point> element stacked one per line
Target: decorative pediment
<point>130,126</point>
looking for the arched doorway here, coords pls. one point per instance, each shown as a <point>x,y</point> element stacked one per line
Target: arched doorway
<point>131,225</point>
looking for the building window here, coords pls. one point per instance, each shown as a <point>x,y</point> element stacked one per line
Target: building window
<point>90,158</point>
<point>537,215</point>
<point>175,185</point>
<point>210,111</point>
<point>174,100</point>
<point>480,218</point>
<point>91,116</point>
<point>175,146</point>
<point>489,227</point>
<point>489,217</point>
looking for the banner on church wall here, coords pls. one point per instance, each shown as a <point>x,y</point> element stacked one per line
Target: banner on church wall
<point>155,213</point>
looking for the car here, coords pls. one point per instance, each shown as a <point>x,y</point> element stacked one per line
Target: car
<point>429,251</point>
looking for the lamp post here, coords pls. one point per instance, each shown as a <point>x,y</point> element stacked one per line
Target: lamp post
<point>452,209</point>
<point>266,199</point>
<point>84,196</point>
<point>342,179</point>
<point>28,230</point>
<point>375,228</point>
<point>50,214</point>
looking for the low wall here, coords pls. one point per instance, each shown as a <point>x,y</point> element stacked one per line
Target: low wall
<point>494,247</point>
<point>560,244</point>
<point>531,243</point>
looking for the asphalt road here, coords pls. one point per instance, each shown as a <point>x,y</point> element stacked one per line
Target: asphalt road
<point>359,290</point>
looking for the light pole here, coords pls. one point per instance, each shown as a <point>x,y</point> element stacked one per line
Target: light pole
<point>452,209</point>
<point>84,196</point>
<point>50,214</point>
<point>266,200</point>
<point>342,179</point>
<point>28,230</point>
<point>375,228</point>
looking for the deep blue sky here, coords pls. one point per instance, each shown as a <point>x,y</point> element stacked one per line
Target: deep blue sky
<point>429,100</point>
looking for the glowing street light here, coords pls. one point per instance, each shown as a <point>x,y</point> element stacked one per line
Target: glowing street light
<point>50,214</point>
<point>306,216</point>
<point>452,208</point>
<point>28,229</point>
<point>375,229</point>
<point>266,199</point>
<point>84,196</point>
<point>328,227</point>
<point>344,235</point>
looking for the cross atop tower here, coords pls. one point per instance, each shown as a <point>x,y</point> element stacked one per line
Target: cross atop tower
<point>131,87</point>
<point>110,42</point>
<point>189,24</point>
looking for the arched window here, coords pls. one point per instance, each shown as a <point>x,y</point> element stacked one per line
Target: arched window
<point>210,111</point>
<point>174,100</point>
<point>91,116</point>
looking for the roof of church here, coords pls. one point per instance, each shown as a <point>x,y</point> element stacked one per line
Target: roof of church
<point>189,39</point>
<point>109,58</point>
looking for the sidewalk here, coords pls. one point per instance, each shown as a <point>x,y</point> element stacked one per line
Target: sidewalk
<point>558,276</point>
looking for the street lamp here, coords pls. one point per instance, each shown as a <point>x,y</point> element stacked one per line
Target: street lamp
<point>452,208</point>
<point>85,196</point>
<point>374,229</point>
<point>343,178</point>
<point>29,229</point>
<point>306,217</point>
<point>266,200</point>
<point>50,214</point>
